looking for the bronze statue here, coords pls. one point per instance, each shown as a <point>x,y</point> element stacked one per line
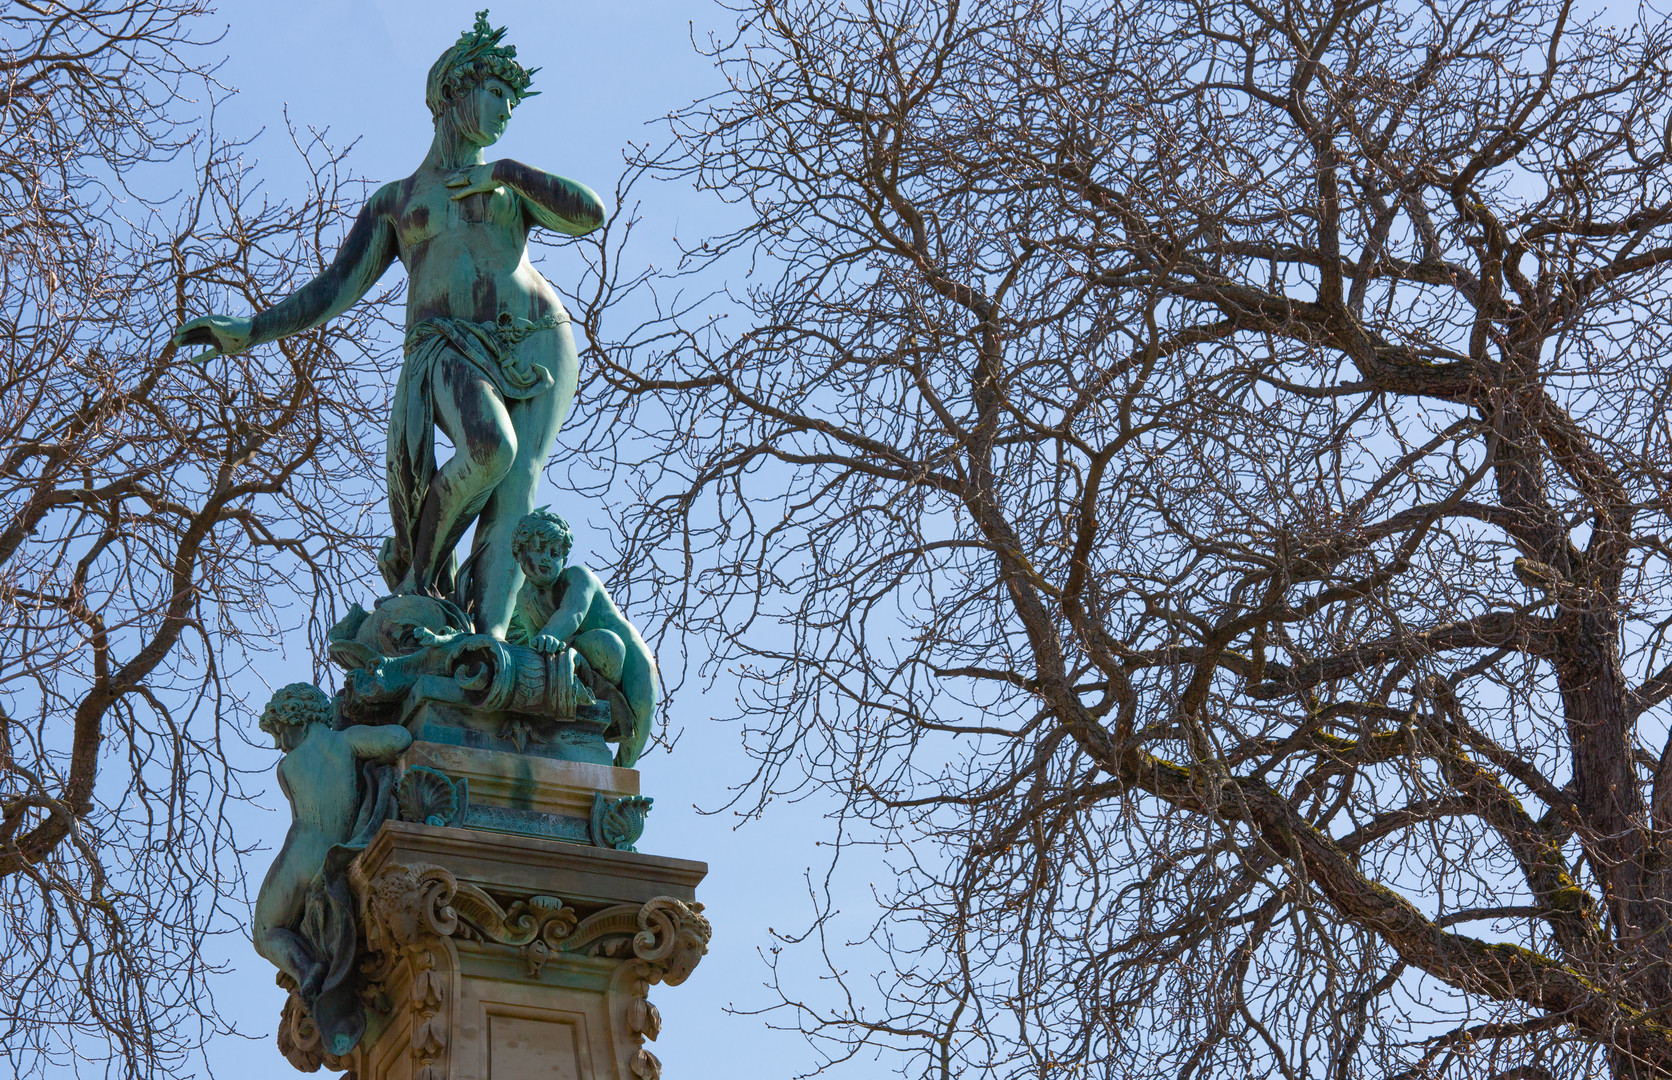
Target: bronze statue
<point>490,359</point>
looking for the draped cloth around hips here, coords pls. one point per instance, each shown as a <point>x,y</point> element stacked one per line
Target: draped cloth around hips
<point>490,348</point>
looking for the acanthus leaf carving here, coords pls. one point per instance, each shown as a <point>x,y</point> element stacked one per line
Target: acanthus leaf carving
<point>427,1041</point>
<point>407,913</point>
<point>644,1018</point>
<point>662,941</point>
<point>668,934</point>
<point>298,1037</point>
<point>536,925</point>
<point>404,906</point>
<point>645,1065</point>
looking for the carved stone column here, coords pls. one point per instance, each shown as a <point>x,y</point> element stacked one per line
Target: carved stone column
<point>491,954</point>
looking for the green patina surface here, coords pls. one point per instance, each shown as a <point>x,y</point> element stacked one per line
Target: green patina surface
<point>490,358</point>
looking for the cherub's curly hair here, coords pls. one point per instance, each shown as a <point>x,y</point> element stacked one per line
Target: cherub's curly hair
<point>295,705</point>
<point>474,57</point>
<point>542,527</point>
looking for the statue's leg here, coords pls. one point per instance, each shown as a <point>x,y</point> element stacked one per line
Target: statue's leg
<point>495,576</point>
<point>473,415</point>
<point>278,908</point>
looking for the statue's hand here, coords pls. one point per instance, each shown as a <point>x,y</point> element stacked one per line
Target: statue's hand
<point>227,335</point>
<point>546,643</point>
<point>476,180</point>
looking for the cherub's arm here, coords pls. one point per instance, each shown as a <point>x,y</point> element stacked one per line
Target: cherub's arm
<point>578,598</point>
<point>378,742</point>
<point>555,202</point>
<point>366,253</point>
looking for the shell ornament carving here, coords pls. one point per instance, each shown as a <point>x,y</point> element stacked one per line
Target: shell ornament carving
<point>617,823</point>
<point>427,797</point>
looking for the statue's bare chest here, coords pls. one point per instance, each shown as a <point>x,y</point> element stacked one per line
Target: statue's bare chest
<point>427,209</point>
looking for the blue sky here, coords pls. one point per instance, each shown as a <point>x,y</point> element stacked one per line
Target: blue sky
<point>356,68</point>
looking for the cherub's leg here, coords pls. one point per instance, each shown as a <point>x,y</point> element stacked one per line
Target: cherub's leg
<point>472,414</point>
<point>604,650</point>
<point>638,686</point>
<point>278,906</point>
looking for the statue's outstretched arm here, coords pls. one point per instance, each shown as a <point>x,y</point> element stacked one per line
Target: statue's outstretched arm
<point>554,202</point>
<point>366,253</point>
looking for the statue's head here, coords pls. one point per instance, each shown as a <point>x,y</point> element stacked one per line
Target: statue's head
<point>474,84</point>
<point>541,543</point>
<point>291,710</point>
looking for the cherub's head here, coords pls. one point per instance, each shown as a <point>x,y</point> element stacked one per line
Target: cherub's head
<point>541,544</point>
<point>291,710</point>
<point>475,84</point>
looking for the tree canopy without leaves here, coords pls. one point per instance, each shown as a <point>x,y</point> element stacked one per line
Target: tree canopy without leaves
<point>1194,478</point>
<point>156,519</point>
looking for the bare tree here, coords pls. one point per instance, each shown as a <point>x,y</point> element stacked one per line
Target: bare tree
<point>1192,477</point>
<point>157,518</point>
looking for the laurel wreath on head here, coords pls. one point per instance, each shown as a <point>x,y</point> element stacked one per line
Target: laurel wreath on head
<point>477,55</point>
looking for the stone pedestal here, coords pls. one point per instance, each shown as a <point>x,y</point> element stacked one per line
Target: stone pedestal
<point>515,941</point>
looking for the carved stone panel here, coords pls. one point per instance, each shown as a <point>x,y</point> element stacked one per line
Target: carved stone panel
<point>520,1048</point>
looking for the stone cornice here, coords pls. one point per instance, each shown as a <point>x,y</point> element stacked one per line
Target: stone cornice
<point>526,865</point>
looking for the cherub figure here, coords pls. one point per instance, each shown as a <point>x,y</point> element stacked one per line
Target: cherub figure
<point>567,607</point>
<point>303,915</point>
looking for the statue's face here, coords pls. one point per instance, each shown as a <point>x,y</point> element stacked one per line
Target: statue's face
<point>541,564</point>
<point>485,113</point>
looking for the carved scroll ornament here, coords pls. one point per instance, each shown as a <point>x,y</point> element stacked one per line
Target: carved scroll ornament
<point>403,905</point>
